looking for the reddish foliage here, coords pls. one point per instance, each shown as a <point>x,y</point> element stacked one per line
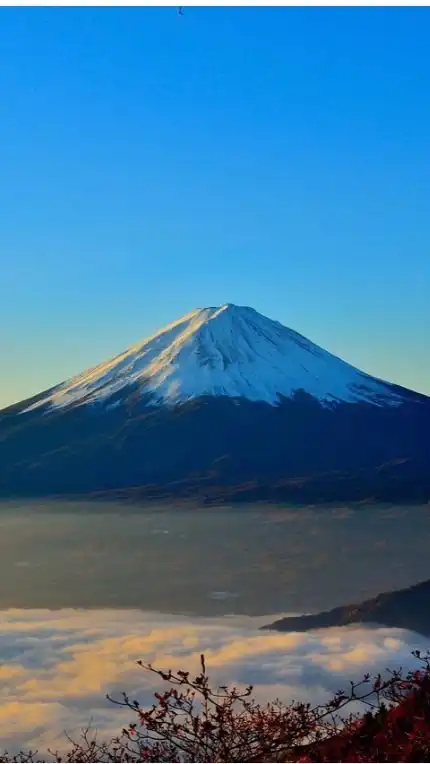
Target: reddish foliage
<point>192,722</point>
<point>396,729</point>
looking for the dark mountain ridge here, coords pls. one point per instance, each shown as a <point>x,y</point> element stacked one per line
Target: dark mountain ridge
<point>405,609</point>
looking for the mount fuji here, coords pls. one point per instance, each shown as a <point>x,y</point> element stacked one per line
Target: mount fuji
<point>222,404</point>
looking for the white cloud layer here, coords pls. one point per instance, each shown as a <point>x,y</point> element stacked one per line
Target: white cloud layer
<point>57,666</point>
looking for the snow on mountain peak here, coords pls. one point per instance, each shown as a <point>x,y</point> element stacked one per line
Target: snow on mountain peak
<point>224,351</point>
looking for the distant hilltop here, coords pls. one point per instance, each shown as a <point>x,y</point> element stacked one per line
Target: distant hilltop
<point>404,609</point>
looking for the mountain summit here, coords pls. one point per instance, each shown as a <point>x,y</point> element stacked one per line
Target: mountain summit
<point>222,404</point>
<point>224,351</point>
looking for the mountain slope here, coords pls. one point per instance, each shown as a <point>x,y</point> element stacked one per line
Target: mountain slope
<point>232,351</point>
<point>404,609</point>
<point>222,404</point>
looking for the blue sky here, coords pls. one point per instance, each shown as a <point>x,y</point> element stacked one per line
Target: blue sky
<point>152,163</point>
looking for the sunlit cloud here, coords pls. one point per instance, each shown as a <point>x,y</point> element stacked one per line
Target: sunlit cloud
<point>57,666</point>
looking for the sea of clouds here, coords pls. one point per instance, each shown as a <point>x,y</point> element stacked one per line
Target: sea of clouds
<point>57,666</point>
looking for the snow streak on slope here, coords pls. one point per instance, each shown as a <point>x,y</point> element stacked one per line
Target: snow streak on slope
<point>226,351</point>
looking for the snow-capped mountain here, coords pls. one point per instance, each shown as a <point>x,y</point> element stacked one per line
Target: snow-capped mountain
<point>222,404</point>
<point>226,351</point>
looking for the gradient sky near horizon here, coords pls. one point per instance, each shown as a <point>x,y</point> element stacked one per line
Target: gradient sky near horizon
<point>152,163</point>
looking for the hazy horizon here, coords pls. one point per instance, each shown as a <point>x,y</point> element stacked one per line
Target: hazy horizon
<point>250,560</point>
